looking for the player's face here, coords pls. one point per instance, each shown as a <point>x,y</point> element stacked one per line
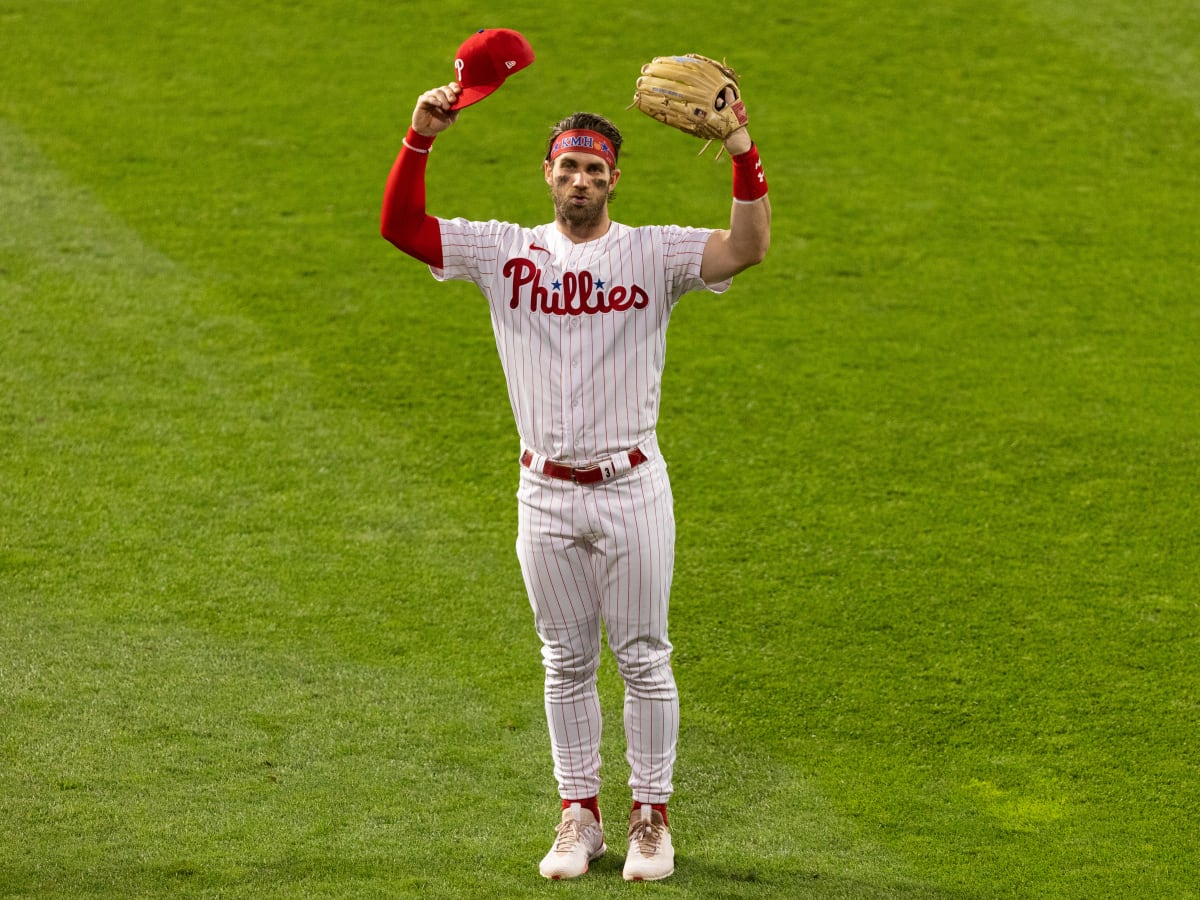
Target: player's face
<point>580,184</point>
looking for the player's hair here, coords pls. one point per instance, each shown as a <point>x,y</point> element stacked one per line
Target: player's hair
<point>591,122</point>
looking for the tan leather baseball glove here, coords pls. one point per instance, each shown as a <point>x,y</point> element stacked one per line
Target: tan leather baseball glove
<point>693,93</point>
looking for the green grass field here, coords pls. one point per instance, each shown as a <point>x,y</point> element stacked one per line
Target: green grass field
<point>937,599</point>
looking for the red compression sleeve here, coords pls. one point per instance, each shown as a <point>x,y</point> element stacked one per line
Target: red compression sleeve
<point>404,221</point>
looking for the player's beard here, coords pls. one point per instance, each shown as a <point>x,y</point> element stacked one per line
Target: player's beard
<point>582,216</point>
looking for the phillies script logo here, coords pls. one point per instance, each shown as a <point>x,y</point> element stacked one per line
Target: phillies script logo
<point>577,294</point>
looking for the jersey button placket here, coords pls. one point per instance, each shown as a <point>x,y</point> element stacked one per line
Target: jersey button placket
<point>574,378</point>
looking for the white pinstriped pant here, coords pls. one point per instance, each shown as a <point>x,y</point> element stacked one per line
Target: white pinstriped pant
<point>602,556</point>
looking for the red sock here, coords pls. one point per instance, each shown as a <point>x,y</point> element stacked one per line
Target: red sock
<point>588,803</point>
<point>661,807</point>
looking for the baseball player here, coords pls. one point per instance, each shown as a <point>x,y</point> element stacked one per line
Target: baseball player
<point>579,308</point>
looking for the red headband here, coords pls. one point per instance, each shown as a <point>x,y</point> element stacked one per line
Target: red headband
<point>580,140</point>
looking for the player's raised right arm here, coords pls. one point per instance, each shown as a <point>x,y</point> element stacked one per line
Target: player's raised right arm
<point>404,221</point>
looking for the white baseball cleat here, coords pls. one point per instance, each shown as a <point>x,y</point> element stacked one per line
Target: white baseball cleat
<point>580,840</point>
<point>651,855</point>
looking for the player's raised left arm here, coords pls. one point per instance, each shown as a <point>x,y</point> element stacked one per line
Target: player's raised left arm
<point>746,241</point>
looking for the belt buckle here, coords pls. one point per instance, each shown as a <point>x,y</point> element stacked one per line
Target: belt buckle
<point>575,473</point>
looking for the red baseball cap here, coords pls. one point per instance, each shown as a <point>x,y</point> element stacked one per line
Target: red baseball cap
<point>486,59</point>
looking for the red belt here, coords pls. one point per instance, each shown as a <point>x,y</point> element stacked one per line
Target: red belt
<point>587,474</point>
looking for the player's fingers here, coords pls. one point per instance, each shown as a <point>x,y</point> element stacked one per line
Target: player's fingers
<point>727,96</point>
<point>440,98</point>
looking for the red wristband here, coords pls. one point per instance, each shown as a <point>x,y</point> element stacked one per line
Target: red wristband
<point>749,182</point>
<point>414,140</point>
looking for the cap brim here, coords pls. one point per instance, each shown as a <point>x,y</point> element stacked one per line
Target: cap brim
<point>473,95</point>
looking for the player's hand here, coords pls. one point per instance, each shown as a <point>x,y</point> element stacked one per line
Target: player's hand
<point>433,114</point>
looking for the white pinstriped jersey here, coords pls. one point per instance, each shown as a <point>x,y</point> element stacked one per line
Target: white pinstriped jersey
<point>581,328</point>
